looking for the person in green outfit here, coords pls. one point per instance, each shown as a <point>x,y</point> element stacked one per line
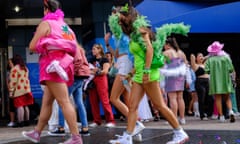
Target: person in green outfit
<point>219,66</point>
<point>145,78</point>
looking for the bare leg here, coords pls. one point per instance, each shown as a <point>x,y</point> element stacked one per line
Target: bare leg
<point>20,114</point>
<point>181,104</point>
<point>218,99</point>
<point>64,102</point>
<point>136,95</point>
<point>228,101</point>
<point>173,102</point>
<point>190,107</point>
<point>153,91</point>
<point>46,109</point>
<point>126,96</point>
<point>27,113</point>
<point>116,92</point>
<point>12,116</point>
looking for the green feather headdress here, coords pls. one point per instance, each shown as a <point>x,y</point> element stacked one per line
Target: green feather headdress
<point>161,33</point>
<point>124,9</point>
<point>113,22</point>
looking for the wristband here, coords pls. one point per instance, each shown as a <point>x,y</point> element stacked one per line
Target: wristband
<point>146,71</point>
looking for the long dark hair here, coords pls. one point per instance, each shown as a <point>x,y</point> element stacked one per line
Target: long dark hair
<point>52,5</point>
<point>172,42</point>
<point>130,16</point>
<point>18,60</point>
<point>9,65</point>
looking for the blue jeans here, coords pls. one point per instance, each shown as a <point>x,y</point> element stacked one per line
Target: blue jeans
<point>76,91</point>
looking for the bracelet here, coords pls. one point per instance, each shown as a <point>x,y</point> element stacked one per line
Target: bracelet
<point>130,74</point>
<point>146,71</point>
<point>98,72</point>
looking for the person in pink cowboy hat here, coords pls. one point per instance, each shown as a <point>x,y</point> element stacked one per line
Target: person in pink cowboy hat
<point>219,66</point>
<point>216,49</point>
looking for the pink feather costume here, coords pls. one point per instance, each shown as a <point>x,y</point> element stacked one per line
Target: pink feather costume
<point>57,50</point>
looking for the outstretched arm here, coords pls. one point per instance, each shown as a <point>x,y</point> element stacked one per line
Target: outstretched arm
<point>106,39</point>
<point>193,62</point>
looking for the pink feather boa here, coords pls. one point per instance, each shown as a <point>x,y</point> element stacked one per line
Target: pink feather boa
<point>58,14</point>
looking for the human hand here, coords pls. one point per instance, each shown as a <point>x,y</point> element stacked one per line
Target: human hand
<point>11,95</point>
<point>146,78</point>
<point>192,57</point>
<point>94,71</point>
<point>107,37</point>
<point>144,33</point>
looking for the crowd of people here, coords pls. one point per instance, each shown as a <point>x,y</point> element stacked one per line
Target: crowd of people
<point>122,77</point>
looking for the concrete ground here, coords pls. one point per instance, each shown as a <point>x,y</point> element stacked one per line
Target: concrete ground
<point>200,132</point>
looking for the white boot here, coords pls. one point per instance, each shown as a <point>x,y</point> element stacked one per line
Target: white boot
<point>124,139</point>
<point>196,109</point>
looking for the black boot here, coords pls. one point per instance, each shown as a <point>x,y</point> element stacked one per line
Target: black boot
<point>18,124</point>
<point>26,123</point>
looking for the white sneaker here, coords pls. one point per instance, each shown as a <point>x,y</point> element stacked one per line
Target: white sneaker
<point>214,117</point>
<point>138,128</point>
<point>237,114</point>
<point>182,121</point>
<point>79,124</point>
<point>179,137</point>
<point>93,125</point>
<point>55,67</point>
<point>110,125</point>
<point>137,137</point>
<point>52,127</point>
<point>124,139</point>
<point>196,114</point>
<point>10,124</point>
<point>222,119</point>
<point>166,122</point>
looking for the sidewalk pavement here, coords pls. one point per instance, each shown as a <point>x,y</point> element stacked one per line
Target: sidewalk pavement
<point>193,124</point>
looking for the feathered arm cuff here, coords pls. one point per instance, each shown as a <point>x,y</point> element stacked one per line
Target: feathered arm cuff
<point>141,21</point>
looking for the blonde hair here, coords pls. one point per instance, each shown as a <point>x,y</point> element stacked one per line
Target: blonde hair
<point>100,47</point>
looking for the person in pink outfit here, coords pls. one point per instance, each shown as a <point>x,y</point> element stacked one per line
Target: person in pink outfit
<point>53,41</point>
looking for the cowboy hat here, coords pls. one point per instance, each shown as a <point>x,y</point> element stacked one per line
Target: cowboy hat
<point>215,47</point>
